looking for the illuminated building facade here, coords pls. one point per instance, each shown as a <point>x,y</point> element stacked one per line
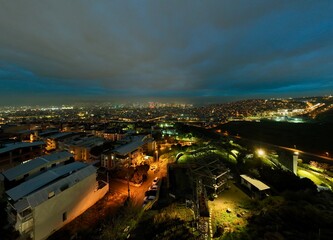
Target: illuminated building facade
<point>130,153</point>
<point>14,153</point>
<point>81,147</point>
<point>45,203</point>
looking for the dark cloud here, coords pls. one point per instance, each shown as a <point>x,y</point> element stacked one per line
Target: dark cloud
<point>166,48</point>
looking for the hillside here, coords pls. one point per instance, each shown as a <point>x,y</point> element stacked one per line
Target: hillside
<point>311,137</point>
<point>326,116</point>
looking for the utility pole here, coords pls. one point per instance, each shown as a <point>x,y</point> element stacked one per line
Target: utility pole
<point>107,179</point>
<point>128,186</point>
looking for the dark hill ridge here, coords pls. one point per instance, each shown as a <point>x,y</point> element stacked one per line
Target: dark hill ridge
<point>310,137</point>
<point>325,116</point>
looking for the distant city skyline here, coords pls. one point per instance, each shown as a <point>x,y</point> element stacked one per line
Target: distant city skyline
<point>61,52</point>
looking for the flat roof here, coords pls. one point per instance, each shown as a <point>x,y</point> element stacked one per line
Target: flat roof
<point>255,182</point>
<point>38,197</point>
<point>36,163</point>
<point>12,146</point>
<point>43,179</point>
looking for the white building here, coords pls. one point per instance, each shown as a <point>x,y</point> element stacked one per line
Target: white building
<point>45,203</point>
<point>19,173</point>
<point>52,141</point>
<point>257,187</point>
<point>131,152</point>
<point>15,153</point>
<point>295,162</point>
<point>81,147</point>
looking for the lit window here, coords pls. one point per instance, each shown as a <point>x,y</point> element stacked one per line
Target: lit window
<point>51,194</point>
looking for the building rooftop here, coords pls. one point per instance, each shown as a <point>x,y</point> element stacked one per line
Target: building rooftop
<point>255,182</point>
<point>12,146</point>
<point>114,131</point>
<point>42,180</point>
<point>48,132</point>
<point>25,132</point>
<point>36,163</point>
<point>87,142</point>
<point>55,188</point>
<point>137,141</point>
<point>60,135</point>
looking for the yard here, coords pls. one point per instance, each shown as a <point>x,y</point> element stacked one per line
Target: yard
<point>317,177</point>
<point>230,210</point>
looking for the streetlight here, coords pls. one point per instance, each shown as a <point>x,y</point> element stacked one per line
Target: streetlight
<point>156,152</point>
<point>260,152</point>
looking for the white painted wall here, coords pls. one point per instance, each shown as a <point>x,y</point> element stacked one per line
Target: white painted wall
<point>295,161</point>
<point>48,216</point>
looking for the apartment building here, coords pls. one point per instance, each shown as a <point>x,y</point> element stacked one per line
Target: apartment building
<point>12,154</point>
<point>46,202</point>
<point>130,152</point>
<point>20,173</point>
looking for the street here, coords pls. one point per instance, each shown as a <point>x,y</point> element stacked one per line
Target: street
<point>137,193</point>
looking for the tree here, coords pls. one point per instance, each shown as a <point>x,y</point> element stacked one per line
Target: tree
<point>140,174</point>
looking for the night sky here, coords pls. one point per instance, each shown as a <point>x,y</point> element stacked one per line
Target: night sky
<point>196,51</point>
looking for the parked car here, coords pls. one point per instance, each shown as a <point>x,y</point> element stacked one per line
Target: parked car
<point>151,193</point>
<point>148,198</point>
<point>155,181</point>
<point>153,187</point>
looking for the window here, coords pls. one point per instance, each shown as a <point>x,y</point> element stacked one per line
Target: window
<point>26,212</point>
<point>51,194</point>
<point>64,187</point>
<point>64,216</point>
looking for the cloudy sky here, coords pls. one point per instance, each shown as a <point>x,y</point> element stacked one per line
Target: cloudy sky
<point>202,51</point>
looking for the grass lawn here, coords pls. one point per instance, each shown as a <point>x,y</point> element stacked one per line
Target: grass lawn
<point>310,175</point>
<point>317,177</point>
<point>236,201</point>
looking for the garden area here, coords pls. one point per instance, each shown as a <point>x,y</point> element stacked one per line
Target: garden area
<point>295,210</point>
<point>229,212</point>
<point>173,222</point>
